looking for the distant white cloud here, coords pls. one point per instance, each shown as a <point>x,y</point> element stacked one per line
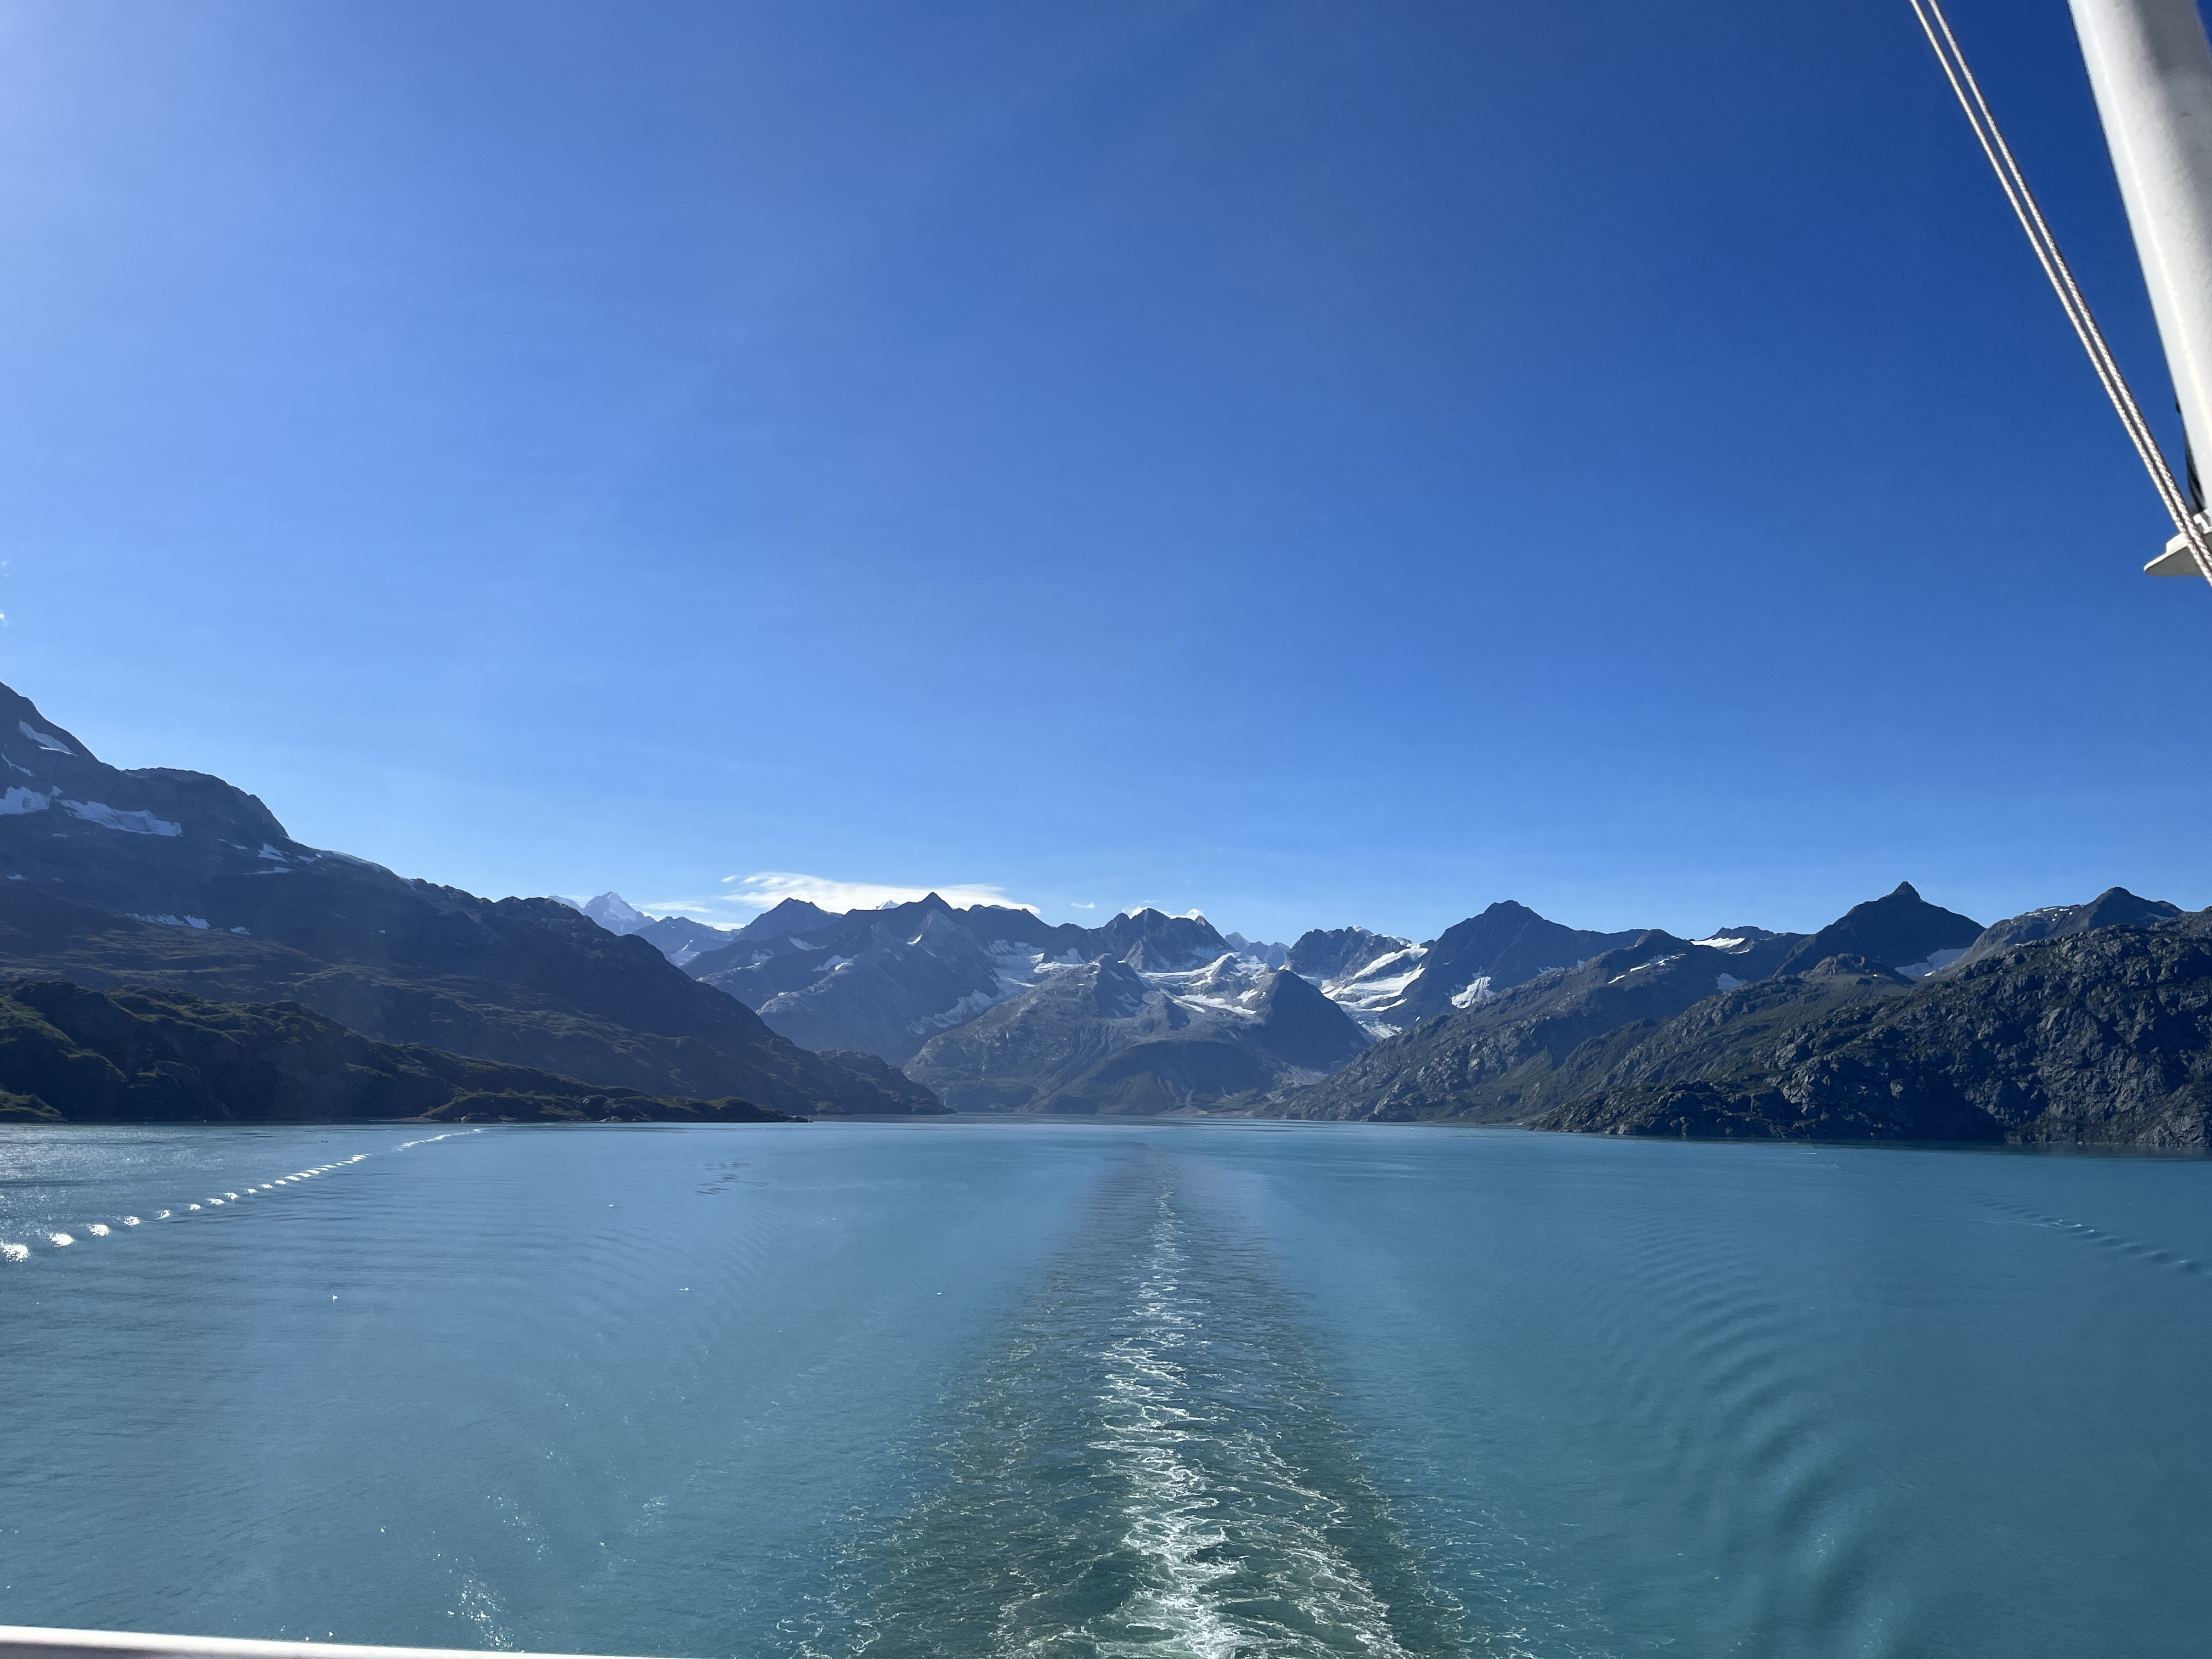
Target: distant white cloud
<point>764,888</point>
<point>1072,905</point>
<point>696,909</point>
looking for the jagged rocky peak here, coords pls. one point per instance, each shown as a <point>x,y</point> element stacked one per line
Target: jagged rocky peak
<point>1901,931</point>
<point>1258,950</point>
<point>1160,943</point>
<point>1323,956</point>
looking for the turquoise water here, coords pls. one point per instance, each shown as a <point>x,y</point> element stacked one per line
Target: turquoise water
<point>1205,1389</point>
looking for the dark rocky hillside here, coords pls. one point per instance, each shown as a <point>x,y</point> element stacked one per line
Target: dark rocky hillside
<point>2114,907</point>
<point>1481,1062</point>
<point>2079,1024</point>
<point>176,880</point>
<point>2099,1037</point>
<point>70,1054</point>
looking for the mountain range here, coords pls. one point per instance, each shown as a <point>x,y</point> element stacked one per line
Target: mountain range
<point>167,951</point>
<point>2079,1024</point>
<point>1505,1018</point>
<point>993,1009</point>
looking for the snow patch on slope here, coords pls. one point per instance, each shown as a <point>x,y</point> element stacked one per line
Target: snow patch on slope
<point>1476,990</point>
<point>1230,985</point>
<point>1014,968</point>
<point>109,818</point>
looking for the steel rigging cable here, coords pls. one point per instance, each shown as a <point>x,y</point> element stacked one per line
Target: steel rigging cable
<point>1979,116</point>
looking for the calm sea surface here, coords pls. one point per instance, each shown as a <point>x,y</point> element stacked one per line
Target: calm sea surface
<point>1206,1389</point>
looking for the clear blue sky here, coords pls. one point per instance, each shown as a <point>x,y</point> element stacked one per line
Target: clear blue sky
<point>1314,463</point>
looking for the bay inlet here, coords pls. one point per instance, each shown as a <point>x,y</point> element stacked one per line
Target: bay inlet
<point>1113,1389</point>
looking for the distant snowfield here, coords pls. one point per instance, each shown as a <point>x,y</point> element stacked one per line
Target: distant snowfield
<point>1368,992</point>
<point>1229,986</point>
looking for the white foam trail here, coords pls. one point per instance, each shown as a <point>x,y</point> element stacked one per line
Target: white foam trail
<point>98,1230</point>
<point>1170,1527</point>
<point>132,1220</point>
<point>60,1240</point>
<point>1175,1520</point>
<point>14,1252</point>
<point>162,1215</point>
<point>213,1203</point>
<point>230,1195</point>
<point>191,1207</point>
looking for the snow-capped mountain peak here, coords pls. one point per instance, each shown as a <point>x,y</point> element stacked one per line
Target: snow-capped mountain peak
<point>614,913</point>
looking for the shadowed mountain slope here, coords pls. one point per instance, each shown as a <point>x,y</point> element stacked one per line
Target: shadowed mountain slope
<point>177,880</point>
<point>2097,1037</point>
<point>70,1054</point>
<point>1901,931</point>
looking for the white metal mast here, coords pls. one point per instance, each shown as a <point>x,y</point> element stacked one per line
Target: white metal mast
<point>2150,66</point>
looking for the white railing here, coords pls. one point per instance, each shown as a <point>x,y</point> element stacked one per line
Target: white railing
<point>34,1642</point>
